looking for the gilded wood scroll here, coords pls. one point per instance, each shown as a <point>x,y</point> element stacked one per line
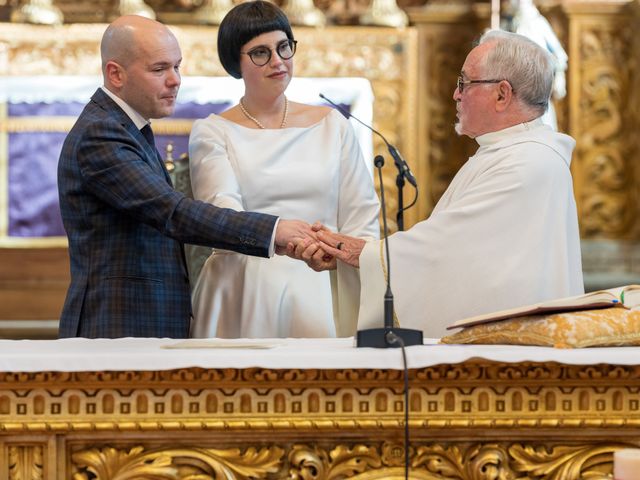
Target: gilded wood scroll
<point>468,421</point>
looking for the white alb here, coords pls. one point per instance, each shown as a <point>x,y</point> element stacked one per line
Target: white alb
<point>504,234</point>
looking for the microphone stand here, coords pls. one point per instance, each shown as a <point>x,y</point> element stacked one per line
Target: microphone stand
<point>388,336</point>
<point>400,213</point>
<point>403,173</point>
<point>403,168</point>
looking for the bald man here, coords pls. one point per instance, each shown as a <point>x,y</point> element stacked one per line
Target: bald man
<point>125,223</point>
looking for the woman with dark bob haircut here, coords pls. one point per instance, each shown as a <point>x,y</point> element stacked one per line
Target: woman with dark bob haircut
<point>241,24</point>
<point>288,159</point>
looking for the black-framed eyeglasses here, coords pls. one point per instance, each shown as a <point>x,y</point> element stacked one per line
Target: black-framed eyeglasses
<point>462,82</point>
<point>261,55</point>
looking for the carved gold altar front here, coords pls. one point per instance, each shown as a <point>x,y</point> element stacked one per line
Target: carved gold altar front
<point>477,420</point>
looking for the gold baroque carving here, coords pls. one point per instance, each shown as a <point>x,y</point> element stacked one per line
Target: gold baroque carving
<point>26,462</point>
<point>228,377</point>
<point>605,149</point>
<point>516,461</point>
<point>321,424</point>
<point>361,461</point>
<point>313,462</point>
<point>109,463</point>
<point>477,396</point>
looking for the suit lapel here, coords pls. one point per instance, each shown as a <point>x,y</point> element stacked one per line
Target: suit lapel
<point>151,155</point>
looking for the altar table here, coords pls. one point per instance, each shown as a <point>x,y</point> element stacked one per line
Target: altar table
<point>311,409</point>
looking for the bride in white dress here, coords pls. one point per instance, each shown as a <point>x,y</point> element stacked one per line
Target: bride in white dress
<point>288,159</point>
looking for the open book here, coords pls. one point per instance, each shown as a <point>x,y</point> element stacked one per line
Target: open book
<point>627,297</point>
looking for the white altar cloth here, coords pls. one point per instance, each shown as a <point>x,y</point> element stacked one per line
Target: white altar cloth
<point>126,354</point>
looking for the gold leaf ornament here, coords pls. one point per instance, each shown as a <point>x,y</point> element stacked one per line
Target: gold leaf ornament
<point>112,464</point>
<point>563,462</point>
<point>468,462</point>
<point>311,463</point>
<point>169,464</point>
<point>346,461</point>
<point>253,463</point>
<point>307,463</point>
<point>437,459</point>
<point>491,460</point>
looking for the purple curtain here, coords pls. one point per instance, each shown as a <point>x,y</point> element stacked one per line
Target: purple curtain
<point>33,207</point>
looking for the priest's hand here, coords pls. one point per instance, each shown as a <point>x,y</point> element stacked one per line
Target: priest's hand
<point>342,247</point>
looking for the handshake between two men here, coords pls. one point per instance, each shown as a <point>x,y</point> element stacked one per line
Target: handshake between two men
<point>316,245</point>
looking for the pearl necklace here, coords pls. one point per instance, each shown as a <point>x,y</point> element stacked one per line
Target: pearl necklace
<point>257,122</point>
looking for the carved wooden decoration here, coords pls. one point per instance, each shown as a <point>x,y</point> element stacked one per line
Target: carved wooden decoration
<point>601,83</point>
<point>475,420</point>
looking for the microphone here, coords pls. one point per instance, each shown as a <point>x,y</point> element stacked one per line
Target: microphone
<point>389,336</point>
<point>400,163</point>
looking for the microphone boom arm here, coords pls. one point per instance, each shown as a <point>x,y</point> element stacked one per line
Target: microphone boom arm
<point>404,172</point>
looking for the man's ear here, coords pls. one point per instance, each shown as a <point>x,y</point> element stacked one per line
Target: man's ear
<point>504,96</point>
<point>114,74</point>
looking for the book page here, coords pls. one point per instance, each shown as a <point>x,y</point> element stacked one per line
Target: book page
<point>592,300</point>
<point>630,296</point>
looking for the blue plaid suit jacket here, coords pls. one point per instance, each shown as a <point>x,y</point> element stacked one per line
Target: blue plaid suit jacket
<point>126,227</point>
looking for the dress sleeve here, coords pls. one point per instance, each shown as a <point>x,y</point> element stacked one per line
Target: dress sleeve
<point>213,179</point>
<point>358,206</point>
<point>358,210</point>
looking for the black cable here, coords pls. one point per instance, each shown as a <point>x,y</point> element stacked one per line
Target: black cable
<point>415,199</point>
<point>393,338</point>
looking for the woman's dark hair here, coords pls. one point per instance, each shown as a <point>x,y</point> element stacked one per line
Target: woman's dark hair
<point>244,22</point>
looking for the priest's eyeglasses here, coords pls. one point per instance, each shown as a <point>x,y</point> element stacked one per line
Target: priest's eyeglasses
<point>261,55</point>
<point>462,82</point>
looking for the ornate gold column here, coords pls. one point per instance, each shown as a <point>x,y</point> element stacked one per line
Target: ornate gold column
<point>603,116</point>
<point>446,32</point>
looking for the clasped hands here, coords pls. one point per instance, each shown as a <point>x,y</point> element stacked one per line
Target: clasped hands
<point>317,246</point>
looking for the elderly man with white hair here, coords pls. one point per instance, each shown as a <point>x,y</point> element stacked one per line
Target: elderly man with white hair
<point>505,233</point>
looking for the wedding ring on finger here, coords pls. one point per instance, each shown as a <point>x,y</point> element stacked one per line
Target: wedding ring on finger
<point>339,245</point>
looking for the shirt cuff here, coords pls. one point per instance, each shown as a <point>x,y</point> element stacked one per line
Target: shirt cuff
<point>272,245</point>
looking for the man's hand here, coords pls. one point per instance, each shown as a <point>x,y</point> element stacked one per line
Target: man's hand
<point>292,232</point>
<point>309,251</point>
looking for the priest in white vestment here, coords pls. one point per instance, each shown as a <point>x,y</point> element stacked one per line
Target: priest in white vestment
<point>505,233</point>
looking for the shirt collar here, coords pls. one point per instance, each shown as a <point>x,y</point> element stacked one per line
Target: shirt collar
<point>494,137</point>
<point>135,117</point>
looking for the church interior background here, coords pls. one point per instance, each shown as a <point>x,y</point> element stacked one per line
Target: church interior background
<point>410,52</point>
<point>127,408</point>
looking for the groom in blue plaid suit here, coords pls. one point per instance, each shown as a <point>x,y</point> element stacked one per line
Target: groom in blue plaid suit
<point>125,223</point>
